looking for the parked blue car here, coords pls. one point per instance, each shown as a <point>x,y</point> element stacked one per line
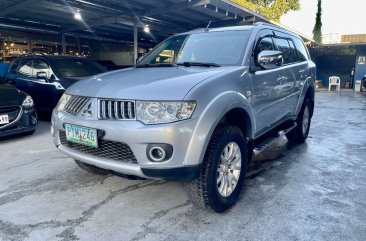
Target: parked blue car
<point>45,78</point>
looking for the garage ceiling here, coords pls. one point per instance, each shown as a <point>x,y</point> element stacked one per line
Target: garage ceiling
<point>114,19</point>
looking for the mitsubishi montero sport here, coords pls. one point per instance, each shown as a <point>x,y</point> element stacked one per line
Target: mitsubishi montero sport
<point>195,109</point>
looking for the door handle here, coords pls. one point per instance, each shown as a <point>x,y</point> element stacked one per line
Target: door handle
<point>12,82</point>
<point>280,80</point>
<point>301,71</point>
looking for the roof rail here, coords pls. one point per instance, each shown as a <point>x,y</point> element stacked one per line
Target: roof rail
<point>263,23</point>
<point>32,54</point>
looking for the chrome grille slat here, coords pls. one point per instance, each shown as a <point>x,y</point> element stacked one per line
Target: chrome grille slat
<point>116,109</point>
<point>129,110</point>
<point>110,109</point>
<point>76,104</point>
<point>122,104</point>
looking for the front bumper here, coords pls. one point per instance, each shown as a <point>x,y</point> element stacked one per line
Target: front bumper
<point>137,137</point>
<point>25,122</point>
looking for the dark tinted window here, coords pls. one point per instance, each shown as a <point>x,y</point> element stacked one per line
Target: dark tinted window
<point>265,43</point>
<point>301,50</point>
<point>283,46</point>
<point>69,68</point>
<point>40,65</point>
<point>25,67</point>
<point>293,49</point>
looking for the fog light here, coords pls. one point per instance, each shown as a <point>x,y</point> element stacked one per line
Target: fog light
<point>159,152</point>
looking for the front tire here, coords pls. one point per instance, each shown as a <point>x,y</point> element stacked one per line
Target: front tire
<point>301,131</point>
<point>90,168</point>
<point>223,170</point>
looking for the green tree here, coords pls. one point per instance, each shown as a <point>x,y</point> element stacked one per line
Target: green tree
<point>272,9</point>
<point>317,31</point>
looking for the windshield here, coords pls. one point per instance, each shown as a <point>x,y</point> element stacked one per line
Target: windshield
<point>69,68</point>
<point>221,48</point>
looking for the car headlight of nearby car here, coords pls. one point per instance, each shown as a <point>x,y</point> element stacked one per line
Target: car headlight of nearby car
<point>63,101</point>
<point>158,112</point>
<point>28,102</point>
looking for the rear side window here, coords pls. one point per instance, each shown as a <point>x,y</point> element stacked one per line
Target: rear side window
<point>301,50</point>
<point>284,46</point>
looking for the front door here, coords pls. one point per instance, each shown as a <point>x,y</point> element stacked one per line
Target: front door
<point>269,100</point>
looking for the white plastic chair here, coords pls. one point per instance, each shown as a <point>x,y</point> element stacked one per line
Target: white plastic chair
<point>334,80</point>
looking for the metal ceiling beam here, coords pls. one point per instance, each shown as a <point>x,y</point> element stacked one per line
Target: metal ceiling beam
<point>173,7</point>
<point>16,7</point>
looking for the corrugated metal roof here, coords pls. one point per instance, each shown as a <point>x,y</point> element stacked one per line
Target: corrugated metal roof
<point>114,19</point>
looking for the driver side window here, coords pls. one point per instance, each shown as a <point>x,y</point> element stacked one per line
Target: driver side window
<point>265,43</point>
<point>40,66</point>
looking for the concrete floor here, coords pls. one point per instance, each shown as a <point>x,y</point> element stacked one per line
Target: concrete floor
<point>313,191</point>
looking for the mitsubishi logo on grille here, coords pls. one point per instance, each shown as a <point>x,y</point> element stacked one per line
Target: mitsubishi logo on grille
<point>88,111</point>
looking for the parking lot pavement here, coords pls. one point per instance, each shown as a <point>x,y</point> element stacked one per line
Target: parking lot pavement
<point>313,191</point>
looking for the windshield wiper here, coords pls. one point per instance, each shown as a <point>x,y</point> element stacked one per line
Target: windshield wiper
<point>189,64</point>
<point>156,65</point>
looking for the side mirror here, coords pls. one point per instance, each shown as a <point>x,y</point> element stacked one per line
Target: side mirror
<point>42,76</point>
<point>270,59</point>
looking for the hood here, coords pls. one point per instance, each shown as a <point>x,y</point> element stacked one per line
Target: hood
<point>9,95</point>
<point>67,82</point>
<point>157,83</point>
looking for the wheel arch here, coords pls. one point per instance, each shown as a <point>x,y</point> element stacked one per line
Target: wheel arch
<point>229,108</point>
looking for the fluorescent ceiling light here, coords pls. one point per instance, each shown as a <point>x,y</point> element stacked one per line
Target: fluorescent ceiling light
<point>77,15</point>
<point>146,29</point>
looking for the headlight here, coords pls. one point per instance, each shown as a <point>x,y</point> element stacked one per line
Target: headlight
<point>28,102</point>
<point>62,102</point>
<point>158,112</point>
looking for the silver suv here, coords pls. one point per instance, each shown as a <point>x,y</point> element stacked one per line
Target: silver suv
<point>195,109</point>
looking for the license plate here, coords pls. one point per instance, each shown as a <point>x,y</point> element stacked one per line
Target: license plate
<point>81,135</point>
<point>4,119</point>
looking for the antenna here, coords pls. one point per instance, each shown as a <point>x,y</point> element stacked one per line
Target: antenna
<point>208,25</point>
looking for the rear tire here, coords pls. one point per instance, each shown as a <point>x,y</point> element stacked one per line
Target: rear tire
<point>91,168</point>
<point>301,131</point>
<point>223,170</point>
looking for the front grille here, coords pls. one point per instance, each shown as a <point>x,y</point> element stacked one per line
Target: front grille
<point>106,149</point>
<point>76,104</point>
<point>12,112</point>
<point>116,109</point>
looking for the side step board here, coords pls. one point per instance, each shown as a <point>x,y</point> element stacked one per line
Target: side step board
<point>268,142</point>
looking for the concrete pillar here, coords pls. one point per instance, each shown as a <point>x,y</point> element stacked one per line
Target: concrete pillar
<point>78,49</point>
<point>63,42</point>
<point>29,41</point>
<point>135,42</point>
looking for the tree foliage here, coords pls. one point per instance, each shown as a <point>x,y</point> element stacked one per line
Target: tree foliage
<point>272,9</point>
<point>317,31</point>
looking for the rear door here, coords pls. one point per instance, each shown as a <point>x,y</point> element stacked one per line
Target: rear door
<point>269,101</point>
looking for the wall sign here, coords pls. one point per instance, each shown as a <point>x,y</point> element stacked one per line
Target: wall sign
<point>362,60</point>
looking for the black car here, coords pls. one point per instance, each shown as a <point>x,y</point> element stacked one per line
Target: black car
<point>17,112</point>
<point>45,77</point>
